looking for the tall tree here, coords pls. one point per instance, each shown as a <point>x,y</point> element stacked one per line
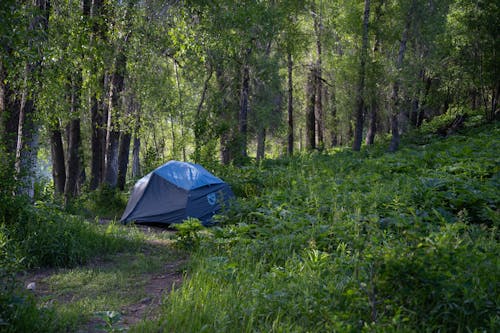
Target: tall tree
<point>73,163</point>
<point>96,103</point>
<point>360,92</point>
<point>395,99</point>
<point>310,115</point>
<point>27,135</point>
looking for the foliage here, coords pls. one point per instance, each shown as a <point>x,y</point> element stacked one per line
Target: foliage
<point>188,234</point>
<point>355,242</point>
<point>105,202</point>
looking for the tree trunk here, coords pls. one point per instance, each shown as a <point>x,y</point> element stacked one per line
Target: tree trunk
<point>290,104</point>
<point>27,145</point>
<point>244,108</point>
<point>310,116</point>
<point>113,133</point>
<point>200,123</point>
<point>123,157</point>
<point>394,145</point>
<point>93,9</point>
<point>136,166</point>
<point>27,133</point>
<point>125,139</point>
<point>360,103</point>
<point>318,107</point>
<point>58,164</point>
<point>372,125</point>
<point>261,144</point>
<point>10,106</point>
<point>495,113</point>
<point>97,125</point>
<point>225,118</point>
<point>375,98</point>
<point>181,109</point>
<point>73,162</point>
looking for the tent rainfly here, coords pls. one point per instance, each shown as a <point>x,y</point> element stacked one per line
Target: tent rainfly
<point>174,192</point>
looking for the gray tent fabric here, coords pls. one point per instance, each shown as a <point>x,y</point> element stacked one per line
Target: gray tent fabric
<point>174,192</point>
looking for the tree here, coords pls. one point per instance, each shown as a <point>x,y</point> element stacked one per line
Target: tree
<point>27,134</point>
<point>360,98</point>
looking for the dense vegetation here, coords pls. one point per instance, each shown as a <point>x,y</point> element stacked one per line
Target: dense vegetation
<point>360,137</point>
<point>349,242</point>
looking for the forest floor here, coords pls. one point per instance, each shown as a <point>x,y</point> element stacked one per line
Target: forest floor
<point>112,292</point>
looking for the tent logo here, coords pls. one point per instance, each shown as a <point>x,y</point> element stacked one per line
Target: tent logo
<point>212,199</point>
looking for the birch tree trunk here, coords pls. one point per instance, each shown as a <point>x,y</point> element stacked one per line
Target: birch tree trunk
<point>395,138</point>
<point>136,166</point>
<point>360,103</point>
<point>290,104</point>
<point>27,133</point>
<point>225,118</point>
<point>244,107</point>
<point>318,106</point>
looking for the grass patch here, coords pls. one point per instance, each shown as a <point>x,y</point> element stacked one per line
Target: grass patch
<point>81,297</point>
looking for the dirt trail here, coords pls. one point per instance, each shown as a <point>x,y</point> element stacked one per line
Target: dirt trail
<point>156,288</point>
<point>155,285</point>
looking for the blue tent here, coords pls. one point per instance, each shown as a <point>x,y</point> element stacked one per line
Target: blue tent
<point>174,192</point>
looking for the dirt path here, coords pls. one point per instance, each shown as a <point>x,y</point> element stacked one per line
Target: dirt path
<point>160,268</point>
<point>157,286</point>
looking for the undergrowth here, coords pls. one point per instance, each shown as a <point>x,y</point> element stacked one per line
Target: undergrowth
<point>349,242</point>
<point>42,235</point>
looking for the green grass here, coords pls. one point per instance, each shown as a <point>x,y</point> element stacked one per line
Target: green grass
<point>82,294</point>
<point>77,288</point>
<point>348,242</point>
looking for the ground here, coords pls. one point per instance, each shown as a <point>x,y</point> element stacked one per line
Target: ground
<point>114,291</point>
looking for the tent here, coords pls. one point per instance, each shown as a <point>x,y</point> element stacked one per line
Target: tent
<point>174,192</point>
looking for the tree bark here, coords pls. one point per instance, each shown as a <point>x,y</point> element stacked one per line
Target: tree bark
<point>93,9</point>
<point>27,133</point>
<point>360,103</point>
<point>394,145</point>
<point>124,146</point>
<point>244,107</point>
<point>261,144</point>
<point>97,125</point>
<point>290,104</point>
<point>200,124</point>
<point>123,157</point>
<point>9,117</point>
<point>27,144</point>
<point>310,115</point>
<point>225,118</point>
<point>113,133</point>
<point>318,108</point>
<point>136,166</point>
<point>374,104</point>
<point>73,163</point>
<point>58,164</point>
<point>372,125</point>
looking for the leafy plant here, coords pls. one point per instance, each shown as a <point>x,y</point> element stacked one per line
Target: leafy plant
<point>188,233</point>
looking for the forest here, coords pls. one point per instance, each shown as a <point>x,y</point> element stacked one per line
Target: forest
<point>360,139</point>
